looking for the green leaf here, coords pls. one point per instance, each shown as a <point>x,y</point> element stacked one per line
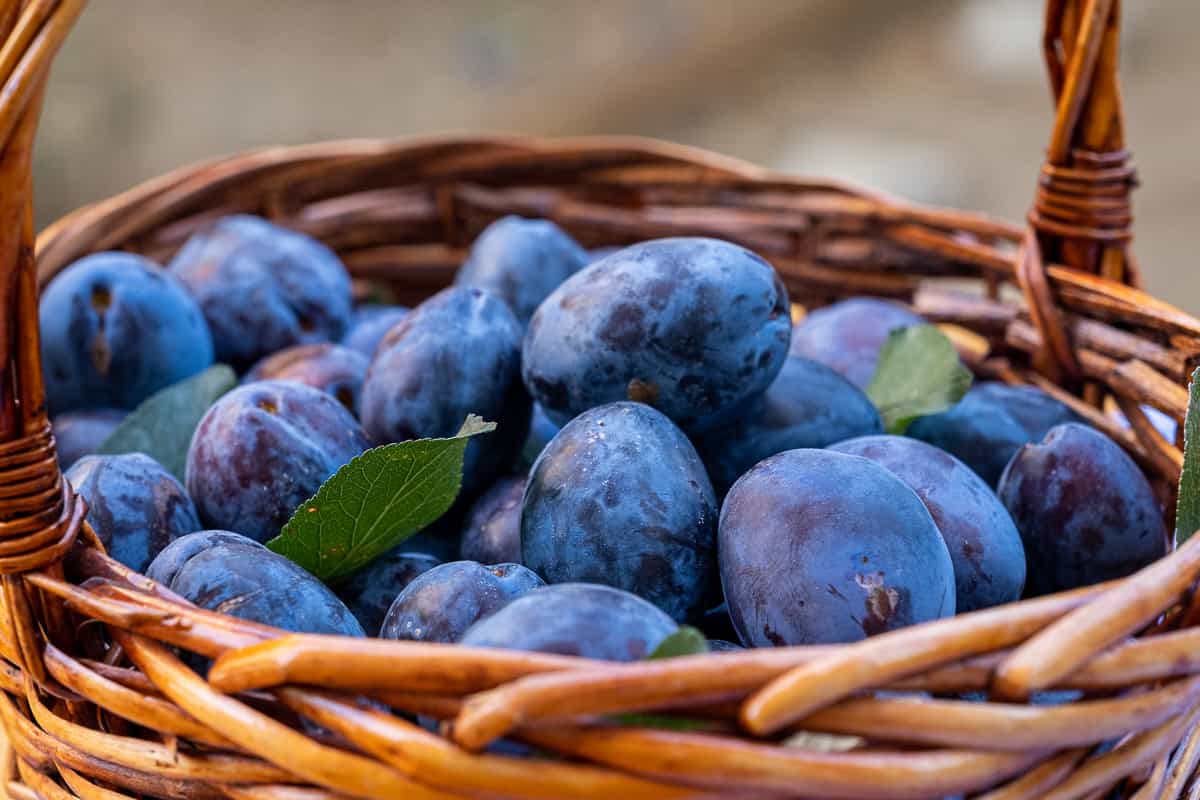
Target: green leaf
<point>919,373</point>
<point>375,502</point>
<point>685,641</point>
<point>162,426</point>
<point>1187,508</point>
<point>665,722</point>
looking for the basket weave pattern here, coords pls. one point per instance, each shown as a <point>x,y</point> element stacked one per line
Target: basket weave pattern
<point>98,704</point>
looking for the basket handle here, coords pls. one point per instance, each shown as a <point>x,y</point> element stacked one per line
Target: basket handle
<point>1081,214</point>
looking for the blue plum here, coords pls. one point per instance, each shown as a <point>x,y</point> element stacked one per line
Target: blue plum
<point>723,646</point>
<point>369,325</point>
<point>575,619</point>
<point>115,329</point>
<point>1085,511</point>
<point>369,592</point>
<point>492,532</point>
<point>818,547</point>
<point>458,353</point>
<point>521,261</point>
<point>441,604</point>
<point>170,559</point>
<point>987,427</point>
<point>691,326</point>
<point>135,506</point>
<point>263,449</point>
<point>808,405</point>
<point>333,369</point>
<point>263,288</point>
<point>541,431</point>
<point>620,497</point>
<point>989,559</point>
<point>80,433</point>
<point>848,335</point>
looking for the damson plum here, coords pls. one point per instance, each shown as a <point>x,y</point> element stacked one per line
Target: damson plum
<point>541,431</point>
<point>439,605</point>
<point>263,449</point>
<point>369,592</point>
<point>248,581</point>
<point>620,497</point>
<point>1085,511</point>
<point>847,336</point>
<point>263,288</point>
<point>691,326</point>
<point>987,427</point>
<point>492,534</point>
<point>576,619</point>
<point>369,325</point>
<point>170,560</point>
<point>989,560</point>
<point>808,405</point>
<point>115,329</point>
<point>80,433</point>
<point>135,506</point>
<point>818,547</point>
<point>333,369</point>
<point>521,261</point>
<point>458,353</point>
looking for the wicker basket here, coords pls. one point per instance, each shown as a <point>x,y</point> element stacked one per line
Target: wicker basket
<point>108,709</point>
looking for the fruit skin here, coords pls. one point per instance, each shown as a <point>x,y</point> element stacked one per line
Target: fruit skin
<point>807,405</point>
<point>541,431</point>
<point>135,506</point>
<point>369,325</point>
<point>170,559</point>
<point>692,326</point>
<point>335,370</point>
<point>248,581</point>
<point>80,433</point>
<point>115,328</point>
<point>620,497</point>
<point>848,335</point>
<point>492,533</point>
<point>369,592</point>
<point>1085,511</point>
<point>575,619</point>
<point>439,605</point>
<point>723,646</point>
<point>991,422</point>
<point>263,449</point>
<point>521,261</point>
<point>263,288</point>
<point>458,353</point>
<point>818,547</point>
<point>989,559</point>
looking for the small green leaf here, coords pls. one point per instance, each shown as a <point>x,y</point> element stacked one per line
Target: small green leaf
<point>919,373</point>
<point>375,502</point>
<point>162,426</point>
<point>686,641</point>
<point>1187,507</point>
<point>665,722</point>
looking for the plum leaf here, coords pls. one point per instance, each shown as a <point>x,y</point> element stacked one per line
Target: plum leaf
<point>686,641</point>
<point>375,502</point>
<point>1187,507</point>
<point>919,373</point>
<point>162,426</point>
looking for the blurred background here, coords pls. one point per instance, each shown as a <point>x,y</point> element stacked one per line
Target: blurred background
<point>942,101</point>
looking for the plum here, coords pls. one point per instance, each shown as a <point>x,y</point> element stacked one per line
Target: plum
<point>620,497</point>
<point>135,506</point>
<point>691,326</point>
<point>808,405</point>
<point>521,261</point>
<point>458,353</point>
<point>492,533</point>
<point>263,449</point>
<point>1085,511</point>
<point>170,559</point>
<point>333,369</point>
<point>115,328</point>
<point>989,559</point>
<point>541,431</point>
<point>263,287</point>
<point>80,433</point>
<point>369,592</point>
<point>575,619</point>
<point>848,335</point>
<point>440,604</point>
<point>818,547</point>
<point>369,325</point>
